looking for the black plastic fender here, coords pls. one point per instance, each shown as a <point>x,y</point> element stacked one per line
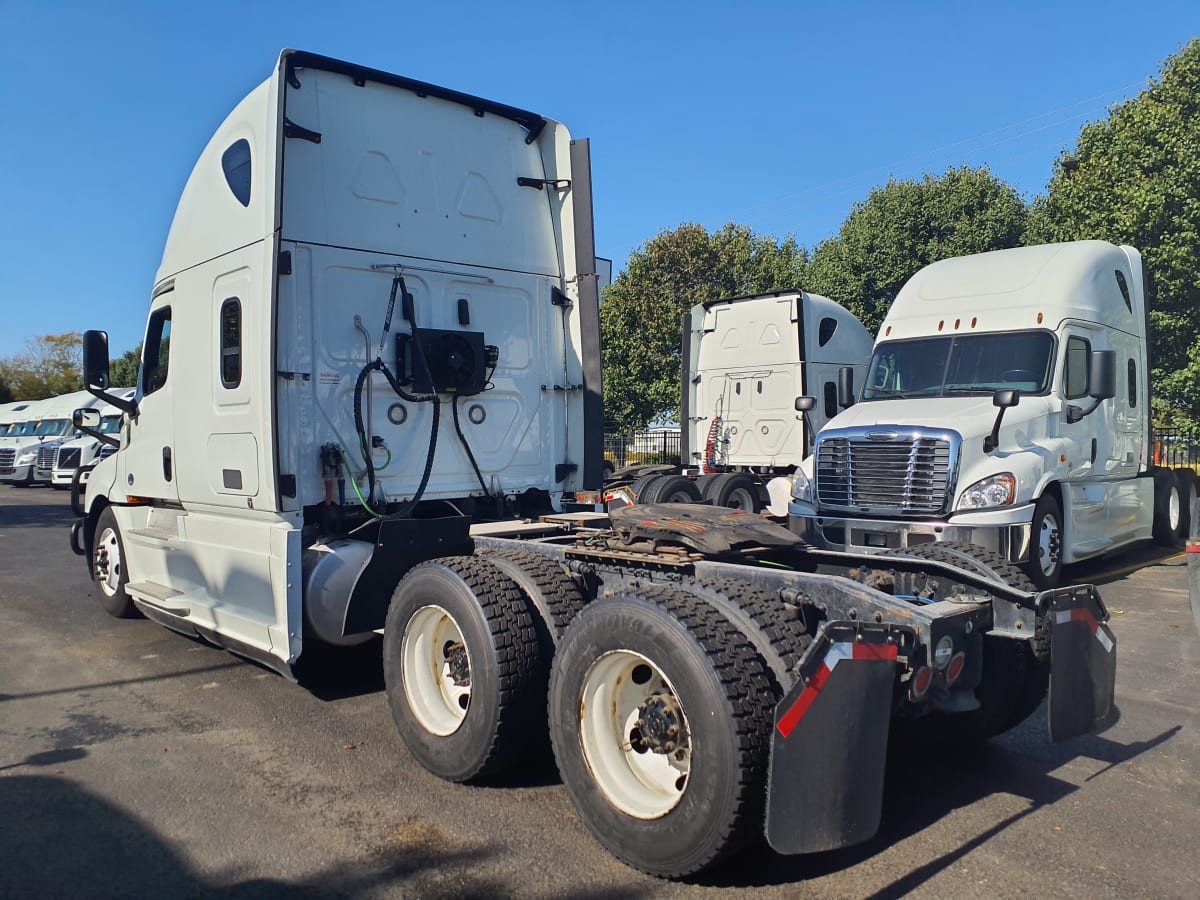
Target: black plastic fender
<point>829,745</point>
<point>1083,664</point>
<point>76,546</point>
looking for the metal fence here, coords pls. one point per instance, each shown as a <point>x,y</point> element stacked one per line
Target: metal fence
<point>653,445</point>
<point>1174,451</point>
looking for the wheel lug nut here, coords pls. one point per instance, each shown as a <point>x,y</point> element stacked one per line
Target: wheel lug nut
<point>670,745</point>
<point>640,723</point>
<point>673,730</point>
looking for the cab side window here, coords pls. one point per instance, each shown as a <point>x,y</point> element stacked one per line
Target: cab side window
<point>157,351</point>
<point>1075,372</point>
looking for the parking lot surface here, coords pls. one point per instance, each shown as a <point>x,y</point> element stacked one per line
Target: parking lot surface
<point>135,762</point>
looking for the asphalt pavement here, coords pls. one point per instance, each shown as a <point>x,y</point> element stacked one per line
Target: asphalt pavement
<point>138,763</point>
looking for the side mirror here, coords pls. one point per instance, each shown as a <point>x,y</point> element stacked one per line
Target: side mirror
<point>1102,376</point>
<point>86,418</point>
<point>845,387</point>
<point>95,359</point>
<point>805,404</point>
<point>1003,399</point>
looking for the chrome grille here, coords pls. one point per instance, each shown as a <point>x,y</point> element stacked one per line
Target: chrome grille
<point>8,456</point>
<point>902,474</point>
<point>68,458</point>
<point>45,457</point>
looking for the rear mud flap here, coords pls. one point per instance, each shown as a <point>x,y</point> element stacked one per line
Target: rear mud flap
<point>829,743</point>
<point>1083,664</point>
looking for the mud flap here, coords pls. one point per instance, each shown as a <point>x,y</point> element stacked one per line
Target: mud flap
<point>829,744</point>
<point>1083,664</point>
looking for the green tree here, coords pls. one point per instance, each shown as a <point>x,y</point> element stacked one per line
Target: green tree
<point>908,224</point>
<point>1134,178</point>
<point>641,318</point>
<point>123,370</point>
<point>49,366</point>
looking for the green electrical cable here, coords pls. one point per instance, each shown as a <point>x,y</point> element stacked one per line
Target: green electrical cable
<point>354,482</point>
<point>385,450</point>
<point>774,565</point>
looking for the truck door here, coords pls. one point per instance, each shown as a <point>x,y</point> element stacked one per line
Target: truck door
<point>1088,444</point>
<point>149,456</point>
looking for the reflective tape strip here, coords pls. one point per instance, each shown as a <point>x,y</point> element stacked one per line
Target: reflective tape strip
<point>1085,616</point>
<point>837,652</point>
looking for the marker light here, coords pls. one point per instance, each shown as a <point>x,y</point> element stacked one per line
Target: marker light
<point>955,668</point>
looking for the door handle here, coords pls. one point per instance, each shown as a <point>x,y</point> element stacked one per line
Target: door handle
<point>167,463</point>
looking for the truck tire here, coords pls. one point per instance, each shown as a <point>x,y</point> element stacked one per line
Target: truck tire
<point>1168,508</point>
<point>777,632</point>
<point>460,661</point>
<point>670,489</point>
<point>661,725</point>
<point>1187,494</point>
<point>1015,672</point>
<point>1047,536</point>
<point>640,486</point>
<point>735,491</point>
<point>108,568</point>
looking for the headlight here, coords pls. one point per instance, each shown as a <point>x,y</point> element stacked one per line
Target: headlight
<point>801,487</point>
<point>995,490</point>
<point>26,458</point>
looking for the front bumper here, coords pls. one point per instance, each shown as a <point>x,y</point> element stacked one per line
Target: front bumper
<point>1006,532</point>
<point>16,473</point>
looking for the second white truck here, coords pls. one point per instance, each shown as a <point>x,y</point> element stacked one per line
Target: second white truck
<point>1006,405</point>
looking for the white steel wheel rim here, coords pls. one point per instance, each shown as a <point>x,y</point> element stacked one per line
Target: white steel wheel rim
<point>1174,509</point>
<point>741,498</point>
<point>107,563</point>
<point>1049,545</point>
<point>436,699</point>
<point>642,783</point>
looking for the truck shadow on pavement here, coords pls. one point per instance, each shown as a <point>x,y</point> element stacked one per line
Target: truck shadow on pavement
<point>36,515</point>
<point>921,788</point>
<point>81,844</point>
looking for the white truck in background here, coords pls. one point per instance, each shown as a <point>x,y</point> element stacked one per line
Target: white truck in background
<point>370,382</point>
<point>745,361</point>
<point>1006,405</point>
<point>27,457</point>
<point>75,458</point>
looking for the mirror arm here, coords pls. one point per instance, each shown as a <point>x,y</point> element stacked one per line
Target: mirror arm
<point>102,438</point>
<point>992,441</point>
<point>126,406</point>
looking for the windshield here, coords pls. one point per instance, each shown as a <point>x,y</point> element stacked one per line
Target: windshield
<point>53,427</point>
<point>961,364</point>
<point>26,429</point>
<point>110,424</point>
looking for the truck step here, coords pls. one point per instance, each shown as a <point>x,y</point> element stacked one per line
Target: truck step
<point>158,594</point>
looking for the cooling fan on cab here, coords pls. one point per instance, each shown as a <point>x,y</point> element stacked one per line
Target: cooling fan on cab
<point>454,361</point>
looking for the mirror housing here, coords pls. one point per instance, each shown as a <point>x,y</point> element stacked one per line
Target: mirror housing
<point>95,376</point>
<point>1002,399</point>
<point>805,404</point>
<point>86,418</point>
<point>95,359</point>
<point>845,387</point>
<point>1102,375</point>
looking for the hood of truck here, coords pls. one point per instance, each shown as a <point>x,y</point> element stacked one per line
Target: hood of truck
<point>970,416</point>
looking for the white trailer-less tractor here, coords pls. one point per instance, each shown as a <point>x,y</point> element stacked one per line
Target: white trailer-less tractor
<point>745,361</point>
<point>371,377</point>
<point>1006,404</point>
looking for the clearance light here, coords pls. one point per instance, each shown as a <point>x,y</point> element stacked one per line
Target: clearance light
<point>941,325</point>
<point>956,321</point>
<point>887,331</point>
<point>955,668</point>
<point>1039,318</point>
<point>973,321</point>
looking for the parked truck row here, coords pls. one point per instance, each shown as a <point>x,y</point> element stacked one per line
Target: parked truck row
<point>370,391</point>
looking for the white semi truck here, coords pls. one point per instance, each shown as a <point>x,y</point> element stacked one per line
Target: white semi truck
<point>370,380</point>
<point>28,456</point>
<point>1006,405</point>
<point>745,360</point>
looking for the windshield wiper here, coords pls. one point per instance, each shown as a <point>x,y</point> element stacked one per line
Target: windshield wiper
<point>969,390</point>
<point>889,393</point>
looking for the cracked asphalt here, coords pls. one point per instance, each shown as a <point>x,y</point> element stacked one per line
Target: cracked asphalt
<point>138,763</point>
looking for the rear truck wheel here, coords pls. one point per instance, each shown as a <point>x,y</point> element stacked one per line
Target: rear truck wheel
<point>670,489</point>
<point>1168,508</point>
<point>553,596</point>
<point>1016,673</point>
<point>660,717</point>
<point>1044,566</point>
<point>776,630</point>
<point>460,664</point>
<point>735,491</point>
<point>640,486</point>
<point>108,568</point>
<point>1187,495</point>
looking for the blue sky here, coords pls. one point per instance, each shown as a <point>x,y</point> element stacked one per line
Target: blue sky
<point>777,116</point>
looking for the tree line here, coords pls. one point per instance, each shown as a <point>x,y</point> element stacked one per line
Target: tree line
<point>52,364</point>
<point>1132,178</point>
